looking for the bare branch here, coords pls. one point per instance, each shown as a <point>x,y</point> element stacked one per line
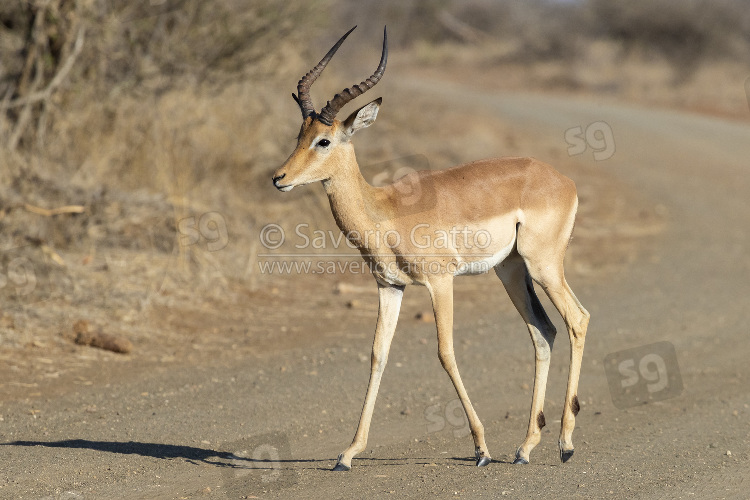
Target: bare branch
<point>68,209</point>
<point>56,81</point>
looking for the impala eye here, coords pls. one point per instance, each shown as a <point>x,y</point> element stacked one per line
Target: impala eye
<point>324,143</point>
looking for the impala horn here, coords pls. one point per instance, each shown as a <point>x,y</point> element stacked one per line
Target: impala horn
<point>328,113</point>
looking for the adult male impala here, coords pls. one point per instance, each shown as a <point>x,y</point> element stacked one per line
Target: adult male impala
<point>523,209</point>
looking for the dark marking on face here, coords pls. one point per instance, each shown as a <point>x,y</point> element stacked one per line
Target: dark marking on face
<point>540,421</point>
<point>574,406</point>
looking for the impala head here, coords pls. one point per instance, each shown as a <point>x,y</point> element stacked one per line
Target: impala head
<point>323,144</point>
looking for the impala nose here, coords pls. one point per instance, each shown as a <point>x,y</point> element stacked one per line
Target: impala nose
<point>277,179</point>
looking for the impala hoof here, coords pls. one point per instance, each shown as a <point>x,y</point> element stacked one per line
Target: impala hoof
<point>483,461</point>
<point>520,460</point>
<point>340,466</point>
<point>566,455</point>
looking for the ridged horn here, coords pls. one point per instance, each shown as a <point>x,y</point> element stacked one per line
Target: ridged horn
<point>303,86</point>
<point>328,113</point>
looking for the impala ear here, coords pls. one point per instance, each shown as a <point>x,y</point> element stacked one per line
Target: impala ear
<point>363,117</point>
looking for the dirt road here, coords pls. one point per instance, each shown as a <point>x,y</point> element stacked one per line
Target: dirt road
<point>271,425</point>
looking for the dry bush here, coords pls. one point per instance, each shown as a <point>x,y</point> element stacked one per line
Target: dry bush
<point>140,49</point>
<point>167,110</point>
<point>163,94</point>
<point>40,43</point>
<point>685,33</point>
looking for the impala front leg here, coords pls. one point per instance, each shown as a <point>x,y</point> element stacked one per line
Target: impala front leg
<point>441,290</point>
<point>390,304</point>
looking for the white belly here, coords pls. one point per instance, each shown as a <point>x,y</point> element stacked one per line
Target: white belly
<point>481,265</point>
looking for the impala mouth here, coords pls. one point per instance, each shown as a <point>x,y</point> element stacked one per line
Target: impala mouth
<point>282,187</point>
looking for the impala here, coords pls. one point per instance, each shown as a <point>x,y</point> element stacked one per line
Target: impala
<point>518,214</point>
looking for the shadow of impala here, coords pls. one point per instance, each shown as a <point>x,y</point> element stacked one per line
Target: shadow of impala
<point>215,457</point>
<point>156,450</point>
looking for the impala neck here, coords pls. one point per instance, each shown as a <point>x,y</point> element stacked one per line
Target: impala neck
<point>353,200</point>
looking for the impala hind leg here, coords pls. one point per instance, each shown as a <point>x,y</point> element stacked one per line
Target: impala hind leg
<point>441,291</point>
<point>390,304</point>
<point>517,281</point>
<point>551,277</point>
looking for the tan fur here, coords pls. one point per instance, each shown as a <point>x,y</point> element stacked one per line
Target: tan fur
<point>524,205</point>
